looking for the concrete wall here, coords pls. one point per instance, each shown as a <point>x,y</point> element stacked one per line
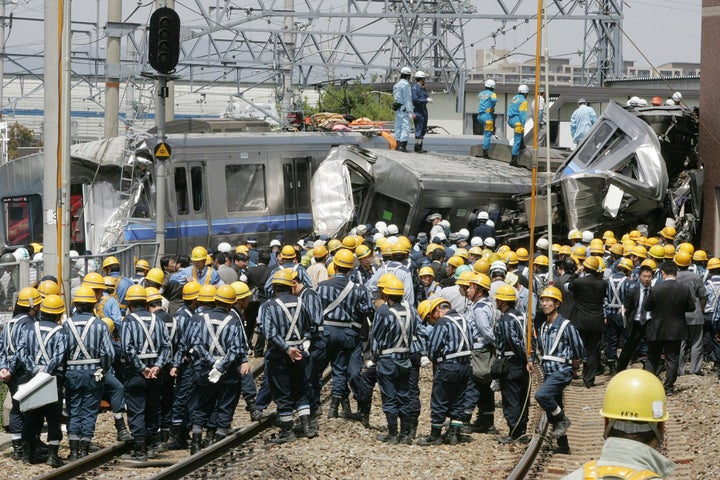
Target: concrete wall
<point>710,123</point>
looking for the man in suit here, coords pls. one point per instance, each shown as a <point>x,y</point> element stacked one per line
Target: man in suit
<point>695,319</point>
<point>589,316</point>
<point>667,304</point>
<point>636,317</point>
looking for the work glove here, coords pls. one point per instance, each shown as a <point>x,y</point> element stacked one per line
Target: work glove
<point>98,375</point>
<point>369,364</point>
<point>429,100</point>
<point>425,362</point>
<point>306,345</point>
<point>214,375</point>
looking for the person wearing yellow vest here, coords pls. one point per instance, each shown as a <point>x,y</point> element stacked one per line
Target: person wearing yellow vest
<point>198,271</point>
<point>635,413</point>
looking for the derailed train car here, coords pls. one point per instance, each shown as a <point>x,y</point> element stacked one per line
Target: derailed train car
<point>355,185</point>
<point>637,166</point>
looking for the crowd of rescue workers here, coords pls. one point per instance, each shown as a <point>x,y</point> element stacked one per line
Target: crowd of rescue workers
<point>169,347</point>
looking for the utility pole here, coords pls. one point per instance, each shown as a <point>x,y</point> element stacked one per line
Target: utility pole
<point>112,69</point>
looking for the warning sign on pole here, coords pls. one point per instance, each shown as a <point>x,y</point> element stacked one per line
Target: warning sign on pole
<point>162,151</point>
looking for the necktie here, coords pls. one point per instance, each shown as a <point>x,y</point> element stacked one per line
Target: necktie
<point>643,315</point>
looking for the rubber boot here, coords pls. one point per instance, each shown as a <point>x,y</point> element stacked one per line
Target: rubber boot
<point>347,412</point>
<point>83,451</point>
<point>196,443</point>
<point>138,453</point>
<point>401,146</point>
<point>74,450</point>
<point>413,429</point>
<point>123,434</point>
<point>485,154</point>
<point>612,367</point>
<point>433,438</point>
<point>364,414</point>
<point>163,445</point>
<point>562,424</point>
<point>419,146</point>
<point>514,161</point>
<point>452,436</point>
<point>308,430</point>
<point>53,459</point>
<point>28,457</point>
<point>391,437</point>
<point>563,446</point>
<point>404,436</point>
<point>255,414</point>
<point>17,454</point>
<point>286,433</point>
<point>178,438</point>
<point>209,437</point>
<point>219,436</point>
<point>151,445</point>
<point>333,410</point>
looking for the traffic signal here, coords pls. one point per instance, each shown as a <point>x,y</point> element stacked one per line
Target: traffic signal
<point>164,40</point>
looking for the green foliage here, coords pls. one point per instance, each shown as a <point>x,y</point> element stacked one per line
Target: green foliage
<point>356,99</point>
<point>19,136</point>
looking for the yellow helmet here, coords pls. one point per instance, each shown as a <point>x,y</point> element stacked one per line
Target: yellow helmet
<point>86,295</point>
<point>136,293</point>
<point>426,271</point>
<point>334,244</point>
<point>225,294</point>
<point>155,275</point>
<point>649,263</point>
<point>241,290</point>
<point>668,232</point>
<point>48,287</point>
<point>208,260</point>
<point>191,290</point>
<point>503,248</point>
<point>284,276</point>
<point>625,264</point>
<point>29,297</point>
<point>362,251</point>
<point>574,235</point>
<point>349,242</point>
<point>713,263</point>
<point>669,251</point>
<point>423,308</point>
<point>493,257</point>
<point>37,247</point>
<point>109,283</point>
<point>142,265</point>
<point>682,259</point>
<point>541,260</point>
<point>405,242</point>
<point>580,253</point>
<point>198,254</point>
<point>242,249</point>
<point>635,395</point>
<point>288,252</point>
<point>53,304</point>
<point>394,286</point>
<point>565,250</point>
<point>383,278</point>
<point>652,241</point>
<point>522,254</point>
<point>597,246</point>
<point>344,258</point>
<point>555,248</point>
<point>700,256</point>
<point>152,294</point>
<point>94,280</point>
<point>639,251</point>
<point>434,302</point>
<point>331,269</point>
<point>611,241</point>
<point>641,241</point>
<point>592,263</point>
<point>511,258</point>
<point>686,247</point>
<point>110,261</point>
<point>617,249</point>
<point>608,234</point>
<point>206,294</point>
<point>386,248</point>
<point>456,261</point>
<point>657,252</point>
<point>320,251</point>
<point>481,266</point>
<point>462,252</point>
<point>552,292</point>
<point>506,293</point>
<point>634,234</point>
<point>481,279</point>
<point>465,278</point>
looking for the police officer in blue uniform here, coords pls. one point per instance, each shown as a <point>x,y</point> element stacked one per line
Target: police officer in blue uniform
<point>42,348</point>
<point>286,324</point>
<point>420,99</point>
<point>146,348</point>
<point>89,353</point>
<point>487,99</point>
<point>218,349</point>
<point>449,351</point>
<point>516,118</point>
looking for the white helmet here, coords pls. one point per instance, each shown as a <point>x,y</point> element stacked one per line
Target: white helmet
<point>476,242</point>
<point>490,223</point>
<point>642,103</point>
<point>405,71</point>
<point>490,242</point>
<point>381,227</point>
<point>483,215</point>
<point>419,74</point>
<point>21,254</point>
<point>669,102</point>
<point>489,83</point>
<point>73,254</point>
<point>523,89</point>
<point>542,243</point>
<point>677,97</point>
<point>444,223</point>
<point>392,229</point>
<point>498,265</point>
<point>463,233</point>
<point>587,236</point>
<point>224,247</point>
<point>581,101</point>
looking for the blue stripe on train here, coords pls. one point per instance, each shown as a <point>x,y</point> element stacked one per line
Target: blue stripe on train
<point>137,232</point>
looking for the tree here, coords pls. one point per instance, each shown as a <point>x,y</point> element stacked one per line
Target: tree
<point>19,136</point>
<point>356,99</point>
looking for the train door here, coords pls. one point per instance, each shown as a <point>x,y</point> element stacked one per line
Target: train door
<point>296,181</point>
<point>193,225</point>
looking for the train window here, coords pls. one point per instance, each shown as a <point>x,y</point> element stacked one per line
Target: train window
<point>389,210</point>
<point>245,187</point>
<point>23,219</point>
<point>197,183</point>
<point>289,182</point>
<point>181,191</point>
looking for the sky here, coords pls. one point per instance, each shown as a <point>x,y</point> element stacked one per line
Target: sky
<point>663,30</point>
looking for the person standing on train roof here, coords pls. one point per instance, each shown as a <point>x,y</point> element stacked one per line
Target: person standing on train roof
<point>420,99</point>
<point>516,118</point>
<point>487,99</point>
